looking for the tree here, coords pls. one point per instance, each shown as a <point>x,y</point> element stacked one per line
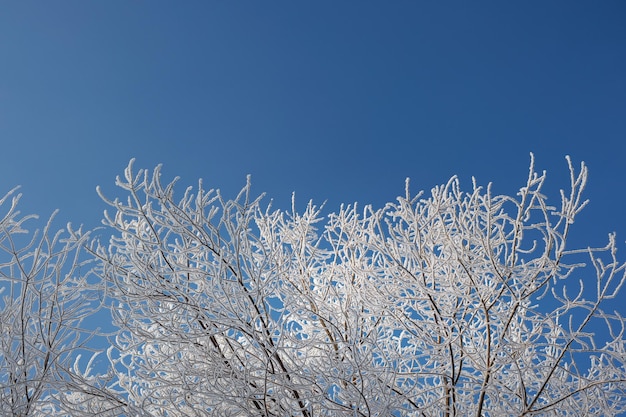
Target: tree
<point>44,301</point>
<point>452,304</point>
<point>426,307</point>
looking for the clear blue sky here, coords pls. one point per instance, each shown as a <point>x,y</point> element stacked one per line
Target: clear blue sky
<point>337,101</point>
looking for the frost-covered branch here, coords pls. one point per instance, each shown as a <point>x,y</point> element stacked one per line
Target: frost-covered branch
<point>449,303</point>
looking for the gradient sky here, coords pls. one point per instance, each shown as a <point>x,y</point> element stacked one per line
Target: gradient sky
<point>337,101</point>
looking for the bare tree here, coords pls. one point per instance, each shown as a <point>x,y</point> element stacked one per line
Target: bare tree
<point>452,304</point>
<point>45,298</point>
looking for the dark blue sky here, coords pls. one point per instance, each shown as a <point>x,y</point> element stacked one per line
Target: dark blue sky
<point>338,101</point>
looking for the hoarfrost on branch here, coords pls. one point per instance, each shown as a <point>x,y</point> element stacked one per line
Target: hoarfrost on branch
<point>457,303</point>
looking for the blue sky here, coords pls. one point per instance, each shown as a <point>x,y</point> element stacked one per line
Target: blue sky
<point>337,101</point>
